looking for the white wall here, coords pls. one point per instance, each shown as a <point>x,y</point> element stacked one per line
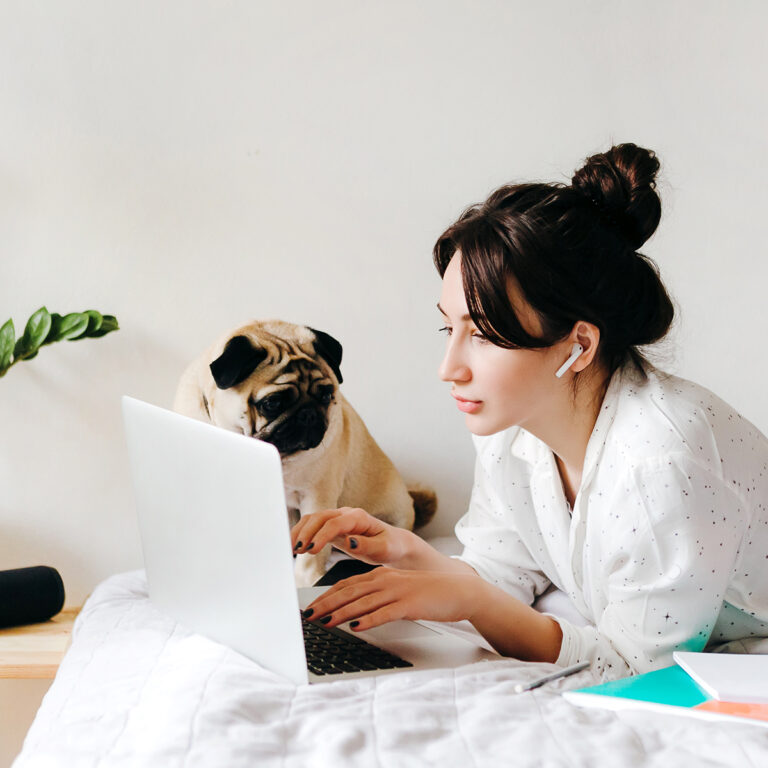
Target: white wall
<point>189,166</point>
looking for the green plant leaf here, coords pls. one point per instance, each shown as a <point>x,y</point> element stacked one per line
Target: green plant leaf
<point>108,324</point>
<point>94,320</point>
<point>56,319</point>
<point>44,327</point>
<point>7,341</point>
<point>72,326</point>
<point>38,326</point>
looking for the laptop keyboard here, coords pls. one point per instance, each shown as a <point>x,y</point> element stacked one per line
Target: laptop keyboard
<point>331,650</point>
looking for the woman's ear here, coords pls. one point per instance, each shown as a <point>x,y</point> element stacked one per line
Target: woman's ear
<point>588,335</point>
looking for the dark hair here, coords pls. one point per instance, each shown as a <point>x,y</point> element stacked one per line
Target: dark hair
<point>573,251</point>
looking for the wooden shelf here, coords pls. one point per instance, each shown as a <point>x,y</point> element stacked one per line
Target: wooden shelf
<point>35,651</point>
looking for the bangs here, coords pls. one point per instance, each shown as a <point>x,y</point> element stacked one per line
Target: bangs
<point>488,260</point>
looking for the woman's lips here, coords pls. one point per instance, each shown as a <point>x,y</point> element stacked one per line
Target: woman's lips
<point>467,406</point>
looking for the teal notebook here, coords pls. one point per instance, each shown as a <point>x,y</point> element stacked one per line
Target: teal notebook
<point>671,686</point>
<point>669,690</point>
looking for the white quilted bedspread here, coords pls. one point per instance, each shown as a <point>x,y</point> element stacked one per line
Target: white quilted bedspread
<point>136,689</point>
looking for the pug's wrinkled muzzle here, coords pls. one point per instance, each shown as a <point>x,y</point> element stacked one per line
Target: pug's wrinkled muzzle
<point>304,430</point>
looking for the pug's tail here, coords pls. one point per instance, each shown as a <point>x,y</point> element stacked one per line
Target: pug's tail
<point>424,505</point>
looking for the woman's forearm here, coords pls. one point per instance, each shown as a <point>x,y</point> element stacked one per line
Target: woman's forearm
<point>418,555</point>
<point>513,628</point>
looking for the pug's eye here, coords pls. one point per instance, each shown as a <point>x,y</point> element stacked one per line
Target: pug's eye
<point>271,405</point>
<point>325,395</point>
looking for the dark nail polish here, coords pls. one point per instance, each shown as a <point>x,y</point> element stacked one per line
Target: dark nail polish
<point>353,543</point>
<point>298,544</point>
<point>306,614</point>
<point>309,546</point>
<point>354,623</point>
<point>325,619</point>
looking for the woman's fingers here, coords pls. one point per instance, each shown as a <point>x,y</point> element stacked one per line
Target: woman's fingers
<point>381,615</point>
<point>357,609</point>
<point>386,594</point>
<point>319,533</point>
<point>344,592</point>
<point>305,529</point>
<point>344,528</point>
<point>362,598</point>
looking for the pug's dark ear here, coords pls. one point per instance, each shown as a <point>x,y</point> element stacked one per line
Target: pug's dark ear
<point>330,350</point>
<point>237,362</point>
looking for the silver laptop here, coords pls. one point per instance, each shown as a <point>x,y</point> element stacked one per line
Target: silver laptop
<point>216,541</point>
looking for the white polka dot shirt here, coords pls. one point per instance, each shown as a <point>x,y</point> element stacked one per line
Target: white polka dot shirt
<point>667,544</point>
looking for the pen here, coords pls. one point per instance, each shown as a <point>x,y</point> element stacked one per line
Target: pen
<point>520,687</point>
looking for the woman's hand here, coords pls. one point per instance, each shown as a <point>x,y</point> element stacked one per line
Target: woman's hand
<point>388,594</point>
<point>353,531</point>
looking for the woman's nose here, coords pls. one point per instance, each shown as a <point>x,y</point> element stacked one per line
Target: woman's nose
<point>453,368</point>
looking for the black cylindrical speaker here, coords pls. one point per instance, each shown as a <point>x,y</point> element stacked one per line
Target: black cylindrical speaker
<point>29,595</point>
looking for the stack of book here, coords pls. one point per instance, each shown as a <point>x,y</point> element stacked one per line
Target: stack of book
<point>712,686</point>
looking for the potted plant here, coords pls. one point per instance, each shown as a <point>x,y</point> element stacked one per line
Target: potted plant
<point>44,328</point>
<point>30,595</point>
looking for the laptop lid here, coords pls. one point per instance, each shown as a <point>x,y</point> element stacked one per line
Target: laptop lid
<point>214,531</point>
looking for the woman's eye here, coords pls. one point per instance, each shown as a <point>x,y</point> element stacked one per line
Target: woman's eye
<point>479,338</point>
<point>446,330</point>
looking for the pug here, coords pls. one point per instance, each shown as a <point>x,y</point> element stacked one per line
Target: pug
<point>279,382</point>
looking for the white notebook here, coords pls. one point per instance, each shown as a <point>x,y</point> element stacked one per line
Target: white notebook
<point>741,677</point>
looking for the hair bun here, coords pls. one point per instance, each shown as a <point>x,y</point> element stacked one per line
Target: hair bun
<point>622,184</point>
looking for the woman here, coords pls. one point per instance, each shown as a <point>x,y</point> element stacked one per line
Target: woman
<point>643,496</point>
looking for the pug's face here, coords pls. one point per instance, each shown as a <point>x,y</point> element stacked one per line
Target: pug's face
<point>276,382</point>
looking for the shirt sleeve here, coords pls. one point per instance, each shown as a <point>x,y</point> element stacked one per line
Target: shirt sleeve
<point>664,581</point>
<point>491,545</point>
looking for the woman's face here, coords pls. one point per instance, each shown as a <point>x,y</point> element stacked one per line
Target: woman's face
<point>495,387</point>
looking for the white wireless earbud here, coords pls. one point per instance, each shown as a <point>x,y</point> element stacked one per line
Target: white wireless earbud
<point>576,350</point>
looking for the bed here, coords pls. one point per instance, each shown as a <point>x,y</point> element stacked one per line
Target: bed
<point>137,689</point>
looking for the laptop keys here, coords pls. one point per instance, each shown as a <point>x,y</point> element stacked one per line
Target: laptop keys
<point>331,651</point>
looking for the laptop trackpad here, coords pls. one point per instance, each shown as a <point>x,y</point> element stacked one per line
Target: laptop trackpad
<point>396,630</point>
